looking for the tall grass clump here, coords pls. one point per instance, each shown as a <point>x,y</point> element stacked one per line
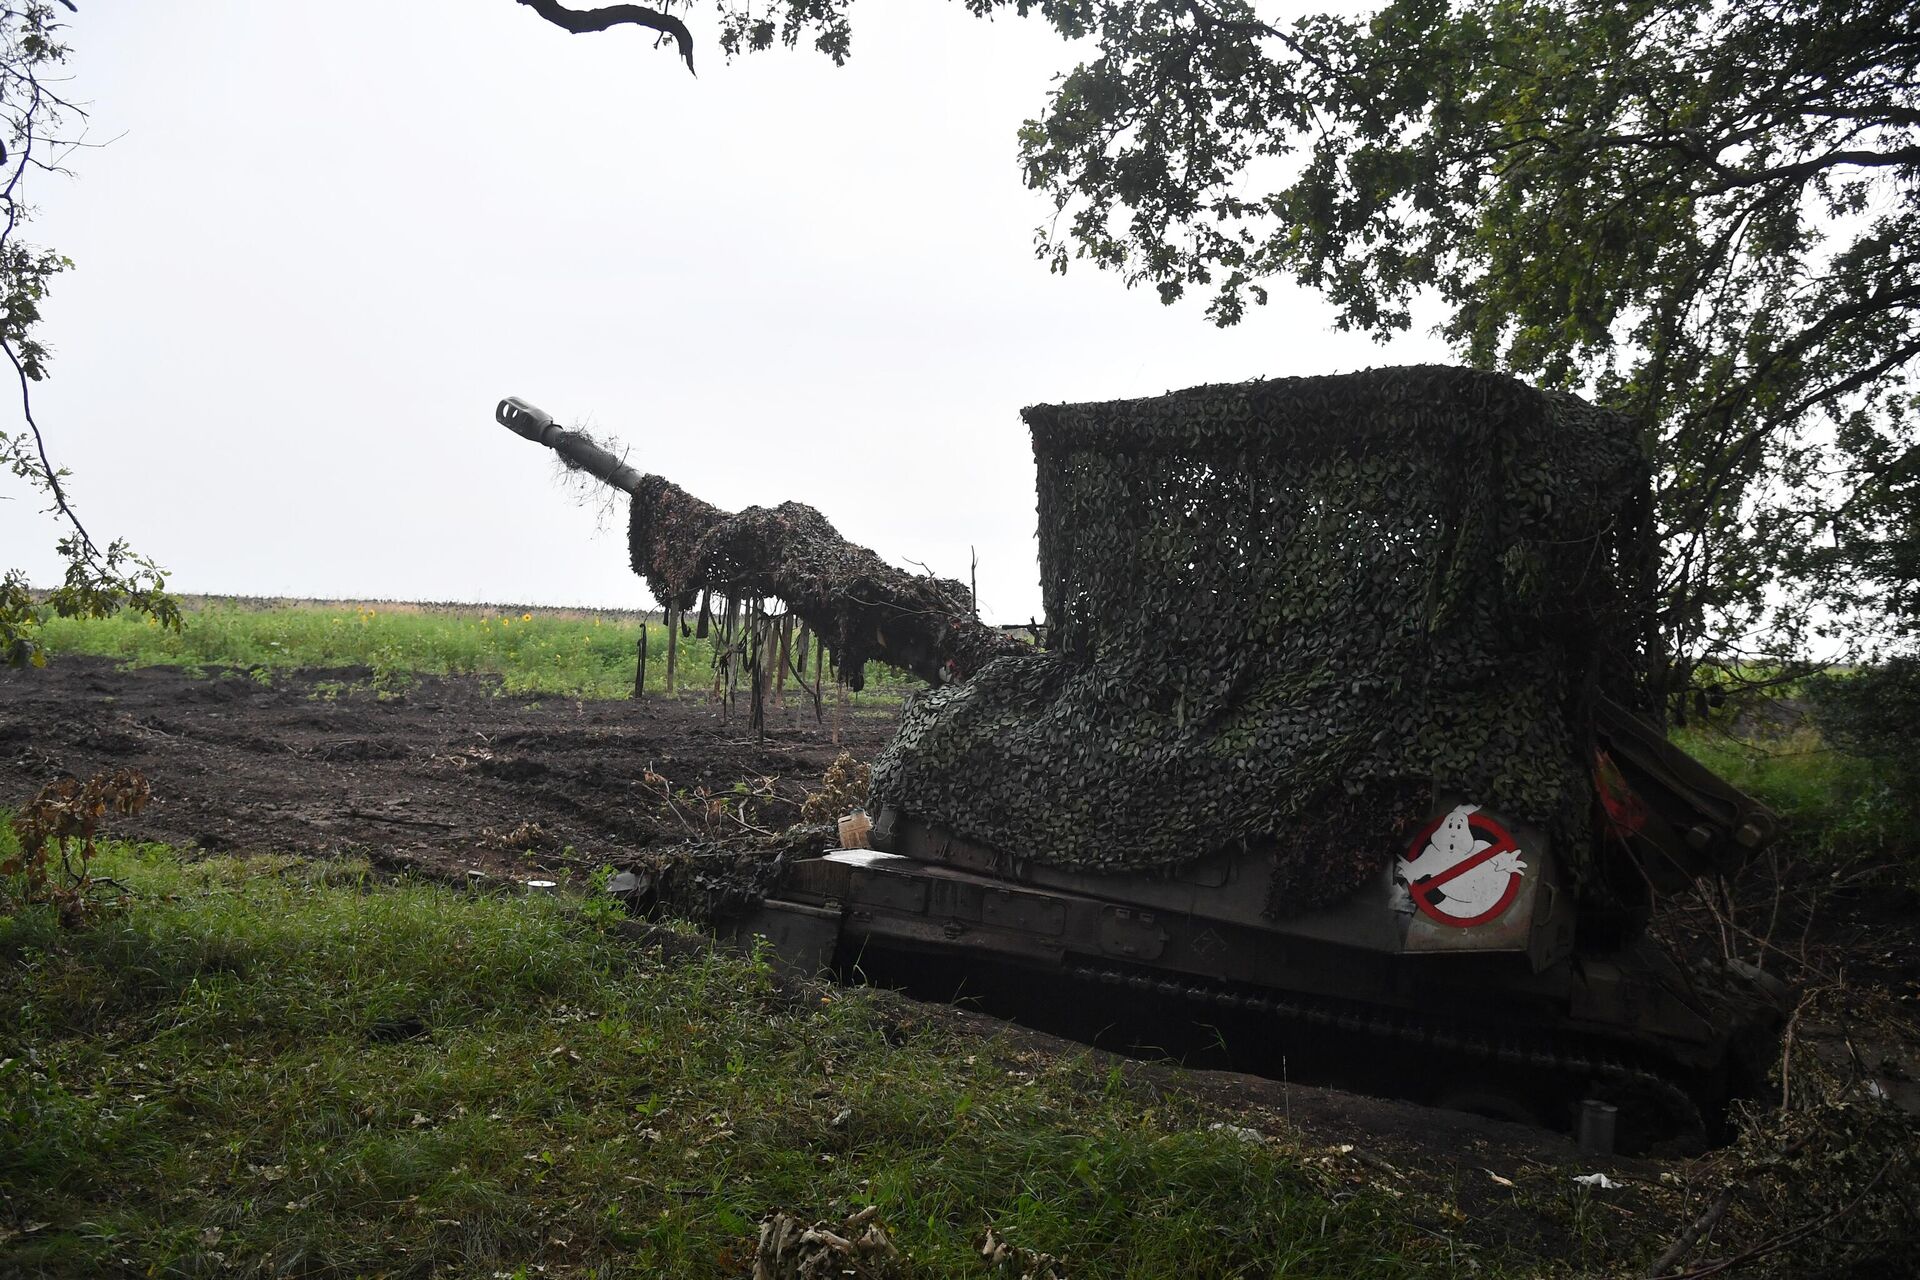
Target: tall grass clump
<point>1839,804</point>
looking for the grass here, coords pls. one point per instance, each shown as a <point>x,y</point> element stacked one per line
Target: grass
<point>285,1067</point>
<point>1835,805</point>
<point>532,652</point>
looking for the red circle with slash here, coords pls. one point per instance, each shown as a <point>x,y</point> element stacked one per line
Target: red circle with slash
<point>1499,841</point>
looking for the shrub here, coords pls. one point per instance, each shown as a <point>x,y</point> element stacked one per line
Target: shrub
<point>55,834</point>
<point>1871,713</point>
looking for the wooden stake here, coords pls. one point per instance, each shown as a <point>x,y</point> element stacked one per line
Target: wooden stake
<point>722,655</point>
<point>736,648</point>
<point>673,647</point>
<point>780,671</point>
<point>640,669</point>
<point>819,674</point>
<point>756,639</point>
<point>768,651</point>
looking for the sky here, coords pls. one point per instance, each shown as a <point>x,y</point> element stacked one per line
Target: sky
<point>320,242</point>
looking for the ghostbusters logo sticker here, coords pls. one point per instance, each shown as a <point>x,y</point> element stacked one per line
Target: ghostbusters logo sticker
<point>1464,870</point>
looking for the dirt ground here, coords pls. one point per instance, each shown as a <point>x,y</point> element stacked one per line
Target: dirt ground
<point>451,776</point>
<point>448,776</point>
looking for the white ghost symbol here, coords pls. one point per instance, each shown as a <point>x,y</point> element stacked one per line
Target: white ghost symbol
<point>1454,840</point>
<point>1473,892</point>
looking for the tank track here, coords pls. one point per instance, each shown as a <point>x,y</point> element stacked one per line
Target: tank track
<point>1650,1103</point>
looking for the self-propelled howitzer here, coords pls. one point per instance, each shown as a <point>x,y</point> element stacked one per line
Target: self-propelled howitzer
<point>1336,731</point>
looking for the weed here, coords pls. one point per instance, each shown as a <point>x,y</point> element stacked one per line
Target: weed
<point>52,841</point>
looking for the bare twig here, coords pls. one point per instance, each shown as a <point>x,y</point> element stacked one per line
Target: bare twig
<point>759,831</point>
<point>1699,1227</point>
<point>1792,1237</point>
<point>1773,916</point>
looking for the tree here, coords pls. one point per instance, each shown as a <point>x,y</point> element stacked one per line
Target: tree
<point>1703,212</point>
<point>98,581</point>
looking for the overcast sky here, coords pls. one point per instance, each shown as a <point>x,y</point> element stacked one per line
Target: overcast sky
<point>326,239</point>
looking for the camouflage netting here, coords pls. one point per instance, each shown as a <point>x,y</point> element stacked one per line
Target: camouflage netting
<point>1275,601</point>
<point>863,607</point>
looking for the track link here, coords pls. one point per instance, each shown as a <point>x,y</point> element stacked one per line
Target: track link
<point>1656,1111</point>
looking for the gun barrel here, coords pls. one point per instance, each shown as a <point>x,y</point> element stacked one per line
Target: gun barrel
<point>860,606</point>
<point>581,453</point>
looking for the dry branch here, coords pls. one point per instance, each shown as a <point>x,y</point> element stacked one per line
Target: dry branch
<point>587,21</point>
<point>1691,1236</point>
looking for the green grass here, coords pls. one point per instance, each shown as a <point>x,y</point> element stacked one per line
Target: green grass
<point>531,652</point>
<point>285,1067</point>
<point>1835,805</point>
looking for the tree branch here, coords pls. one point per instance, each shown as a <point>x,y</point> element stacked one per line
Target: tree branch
<point>48,472</point>
<point>1691,1236</point>
<point>586,21</point>
<point>1853,381</point>
<point>1790,173</point>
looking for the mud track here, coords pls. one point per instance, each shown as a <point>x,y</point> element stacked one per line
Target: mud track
<point>450,775</point>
